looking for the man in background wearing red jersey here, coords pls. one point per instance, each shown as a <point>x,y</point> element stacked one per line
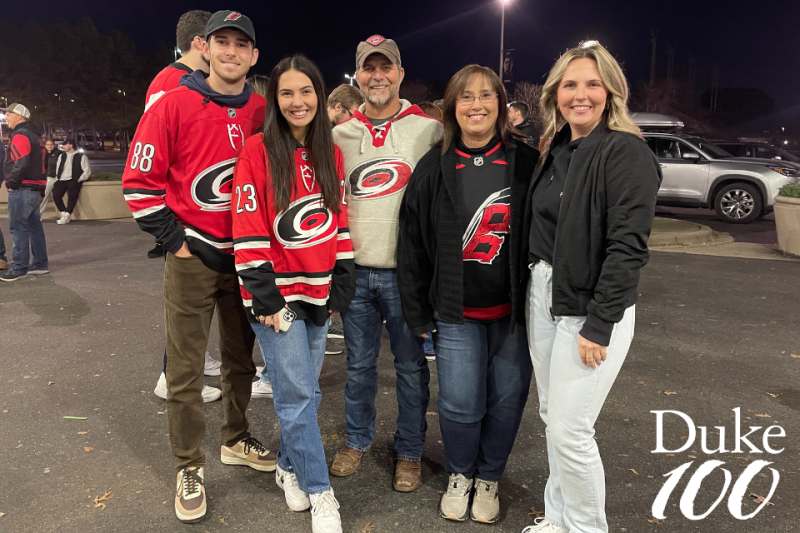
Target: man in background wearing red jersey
<point>177,183</point>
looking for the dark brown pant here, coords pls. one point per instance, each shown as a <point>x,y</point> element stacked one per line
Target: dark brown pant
<point>191,292</point>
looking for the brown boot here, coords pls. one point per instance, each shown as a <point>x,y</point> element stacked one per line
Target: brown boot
<point>347,461</point>
<point>407,475</point>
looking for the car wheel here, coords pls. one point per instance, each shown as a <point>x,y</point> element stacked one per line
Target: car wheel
<point>738,203</point>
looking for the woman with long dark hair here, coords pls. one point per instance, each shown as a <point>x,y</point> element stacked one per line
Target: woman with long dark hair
<point>295,263</point>
<point>587,220</point>
<point>460,223</point>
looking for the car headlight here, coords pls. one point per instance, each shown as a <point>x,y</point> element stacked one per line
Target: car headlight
<point>789,172</point>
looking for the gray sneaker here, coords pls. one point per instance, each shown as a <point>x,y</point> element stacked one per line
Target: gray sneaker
<point>486,502</point>
<point>455,502</point>
<point>38,271</point>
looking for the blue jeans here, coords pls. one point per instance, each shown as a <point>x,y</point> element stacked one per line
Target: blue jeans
<point>571,395</point>
<point>294,360</point>
<point>428,344</point>
<point>377,298</point>
<point>484,379</point>
<point>27,233</point>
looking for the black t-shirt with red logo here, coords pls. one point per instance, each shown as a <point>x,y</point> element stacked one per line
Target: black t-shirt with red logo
<point>483,204</point>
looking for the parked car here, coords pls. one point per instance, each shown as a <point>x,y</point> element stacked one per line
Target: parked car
<point>757,150</point>
<point>88,142</point>
<point>697,173</point>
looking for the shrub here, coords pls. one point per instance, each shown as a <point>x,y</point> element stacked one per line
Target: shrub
<point>792,190</point>
<point>105,176</point>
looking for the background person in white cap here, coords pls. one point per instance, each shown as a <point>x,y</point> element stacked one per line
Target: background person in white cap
<point>25,181</point>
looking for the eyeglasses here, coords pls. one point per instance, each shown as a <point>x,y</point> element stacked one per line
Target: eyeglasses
<point>487,97</point>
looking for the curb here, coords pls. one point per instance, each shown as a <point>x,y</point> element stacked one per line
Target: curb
<point>668,231</point>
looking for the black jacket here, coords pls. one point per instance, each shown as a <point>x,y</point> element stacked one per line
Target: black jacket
<point>24,162</point>
<point>50,160</point>
<point>529,130</point>
<point>429,247</point>
<point>603,225</point>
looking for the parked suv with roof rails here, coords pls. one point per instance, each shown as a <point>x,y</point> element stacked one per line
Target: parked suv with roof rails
<point>697,173</point>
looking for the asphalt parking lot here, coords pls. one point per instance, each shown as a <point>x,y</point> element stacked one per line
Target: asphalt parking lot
<point>712,334</point>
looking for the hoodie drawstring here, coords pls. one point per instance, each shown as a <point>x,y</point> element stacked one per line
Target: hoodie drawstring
<point>394,139</point>
<point>364,132</point>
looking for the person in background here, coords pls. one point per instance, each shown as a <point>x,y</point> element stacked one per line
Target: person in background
<point>588,214</point>
<point>293,255</point>
<point>25,181</point>
<point>190,35</point>
<point>72,169</point>
<point>343,102</point>
<point>50,172</point>
<point>519,115</point>
<point>460,224</point>
<point>3,258</point>
<point>432,110</point>
<point>184,144</point>
<point>385,138</point>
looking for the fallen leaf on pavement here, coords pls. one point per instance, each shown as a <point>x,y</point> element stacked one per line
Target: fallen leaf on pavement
<point>367,528</point>
<point>763,416</point>
<point>87,448</point>
<point>759,499</point>
<point>74,417</point>
<point>670,393</point>
<point>796,356</point>
<point>98,501</point>
<point>50,382</point>
<point>654,521</point>
<point>2,514</point>
<point>536,514</point>
<point>774,395</point>
<point>162,412</point>
<point>20,446</point>
<point>82,433</point>
<point>641,383</point>
<point>46,470</point>
<point>634,471</point>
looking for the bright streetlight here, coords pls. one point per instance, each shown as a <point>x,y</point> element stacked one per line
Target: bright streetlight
<point>351,78</point>
<point>502,37</point>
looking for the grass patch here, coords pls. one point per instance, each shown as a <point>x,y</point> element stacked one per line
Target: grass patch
<point>105,176</point>
<point>792,190</point>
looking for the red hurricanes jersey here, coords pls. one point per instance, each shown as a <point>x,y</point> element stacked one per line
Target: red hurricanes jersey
<point>302,255</point>
<point>177,180</point>
<point>166,80</point>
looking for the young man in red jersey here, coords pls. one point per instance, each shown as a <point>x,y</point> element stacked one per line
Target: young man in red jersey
<point>190,36</point>
<point>178,186</point>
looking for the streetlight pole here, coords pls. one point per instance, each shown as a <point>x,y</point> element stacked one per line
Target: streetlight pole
<point>351,78</point>
<point>502,37</point>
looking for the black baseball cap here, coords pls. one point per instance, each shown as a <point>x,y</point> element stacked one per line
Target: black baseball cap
<point>231,19</point>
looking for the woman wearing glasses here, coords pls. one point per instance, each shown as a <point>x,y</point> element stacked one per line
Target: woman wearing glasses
<point>460,222</point>
<point>587,221</point>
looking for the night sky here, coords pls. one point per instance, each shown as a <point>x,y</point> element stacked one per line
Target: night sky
<point>753,44</point>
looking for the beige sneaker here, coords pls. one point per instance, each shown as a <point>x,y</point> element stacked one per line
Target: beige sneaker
<point>486,502</point>
<point>190,498</point>
<point>250,452</point>
<point>455,502</point>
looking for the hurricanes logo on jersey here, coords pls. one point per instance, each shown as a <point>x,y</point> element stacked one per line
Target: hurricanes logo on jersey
<point>488,228</point>
<point>380,177</point>
<point>305,223</point>
<point>211,189</point>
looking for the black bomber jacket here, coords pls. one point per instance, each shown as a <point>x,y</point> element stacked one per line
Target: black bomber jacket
<point>604,223</point>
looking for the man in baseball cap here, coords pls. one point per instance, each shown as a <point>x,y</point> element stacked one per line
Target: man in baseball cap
<point>25,180</point>
<point>386,136</point>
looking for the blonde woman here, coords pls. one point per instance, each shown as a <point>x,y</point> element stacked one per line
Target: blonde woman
<point>587,220</point>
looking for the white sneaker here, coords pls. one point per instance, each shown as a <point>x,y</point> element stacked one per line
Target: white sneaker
<point>261,390</point>
<point>296,499</point>
<point>61,218</point>
<point>212,367</point>
<point>210,394</point>
<point>455,502</point>
<point>540,525</point>
<point>325,513</point>
<point>258,371</point>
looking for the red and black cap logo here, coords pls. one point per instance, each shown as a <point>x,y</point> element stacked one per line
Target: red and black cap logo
<point>376,39</point>
<point>380,177</point>
<point>233,16</point>
<point>305,223</point>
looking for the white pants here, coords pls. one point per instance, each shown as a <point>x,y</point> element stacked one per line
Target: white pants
<point>571,395</point>
<point>48,194</point>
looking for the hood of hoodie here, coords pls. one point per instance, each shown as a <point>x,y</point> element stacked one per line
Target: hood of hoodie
<point>30,126</point>
<point>196,81</point>
<point>379,134</point>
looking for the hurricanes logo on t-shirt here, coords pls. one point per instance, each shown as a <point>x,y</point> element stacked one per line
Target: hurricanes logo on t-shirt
<point>488,228</point>
<point>211,189</point>
<point>380,177</point>
<point>306,222</point>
